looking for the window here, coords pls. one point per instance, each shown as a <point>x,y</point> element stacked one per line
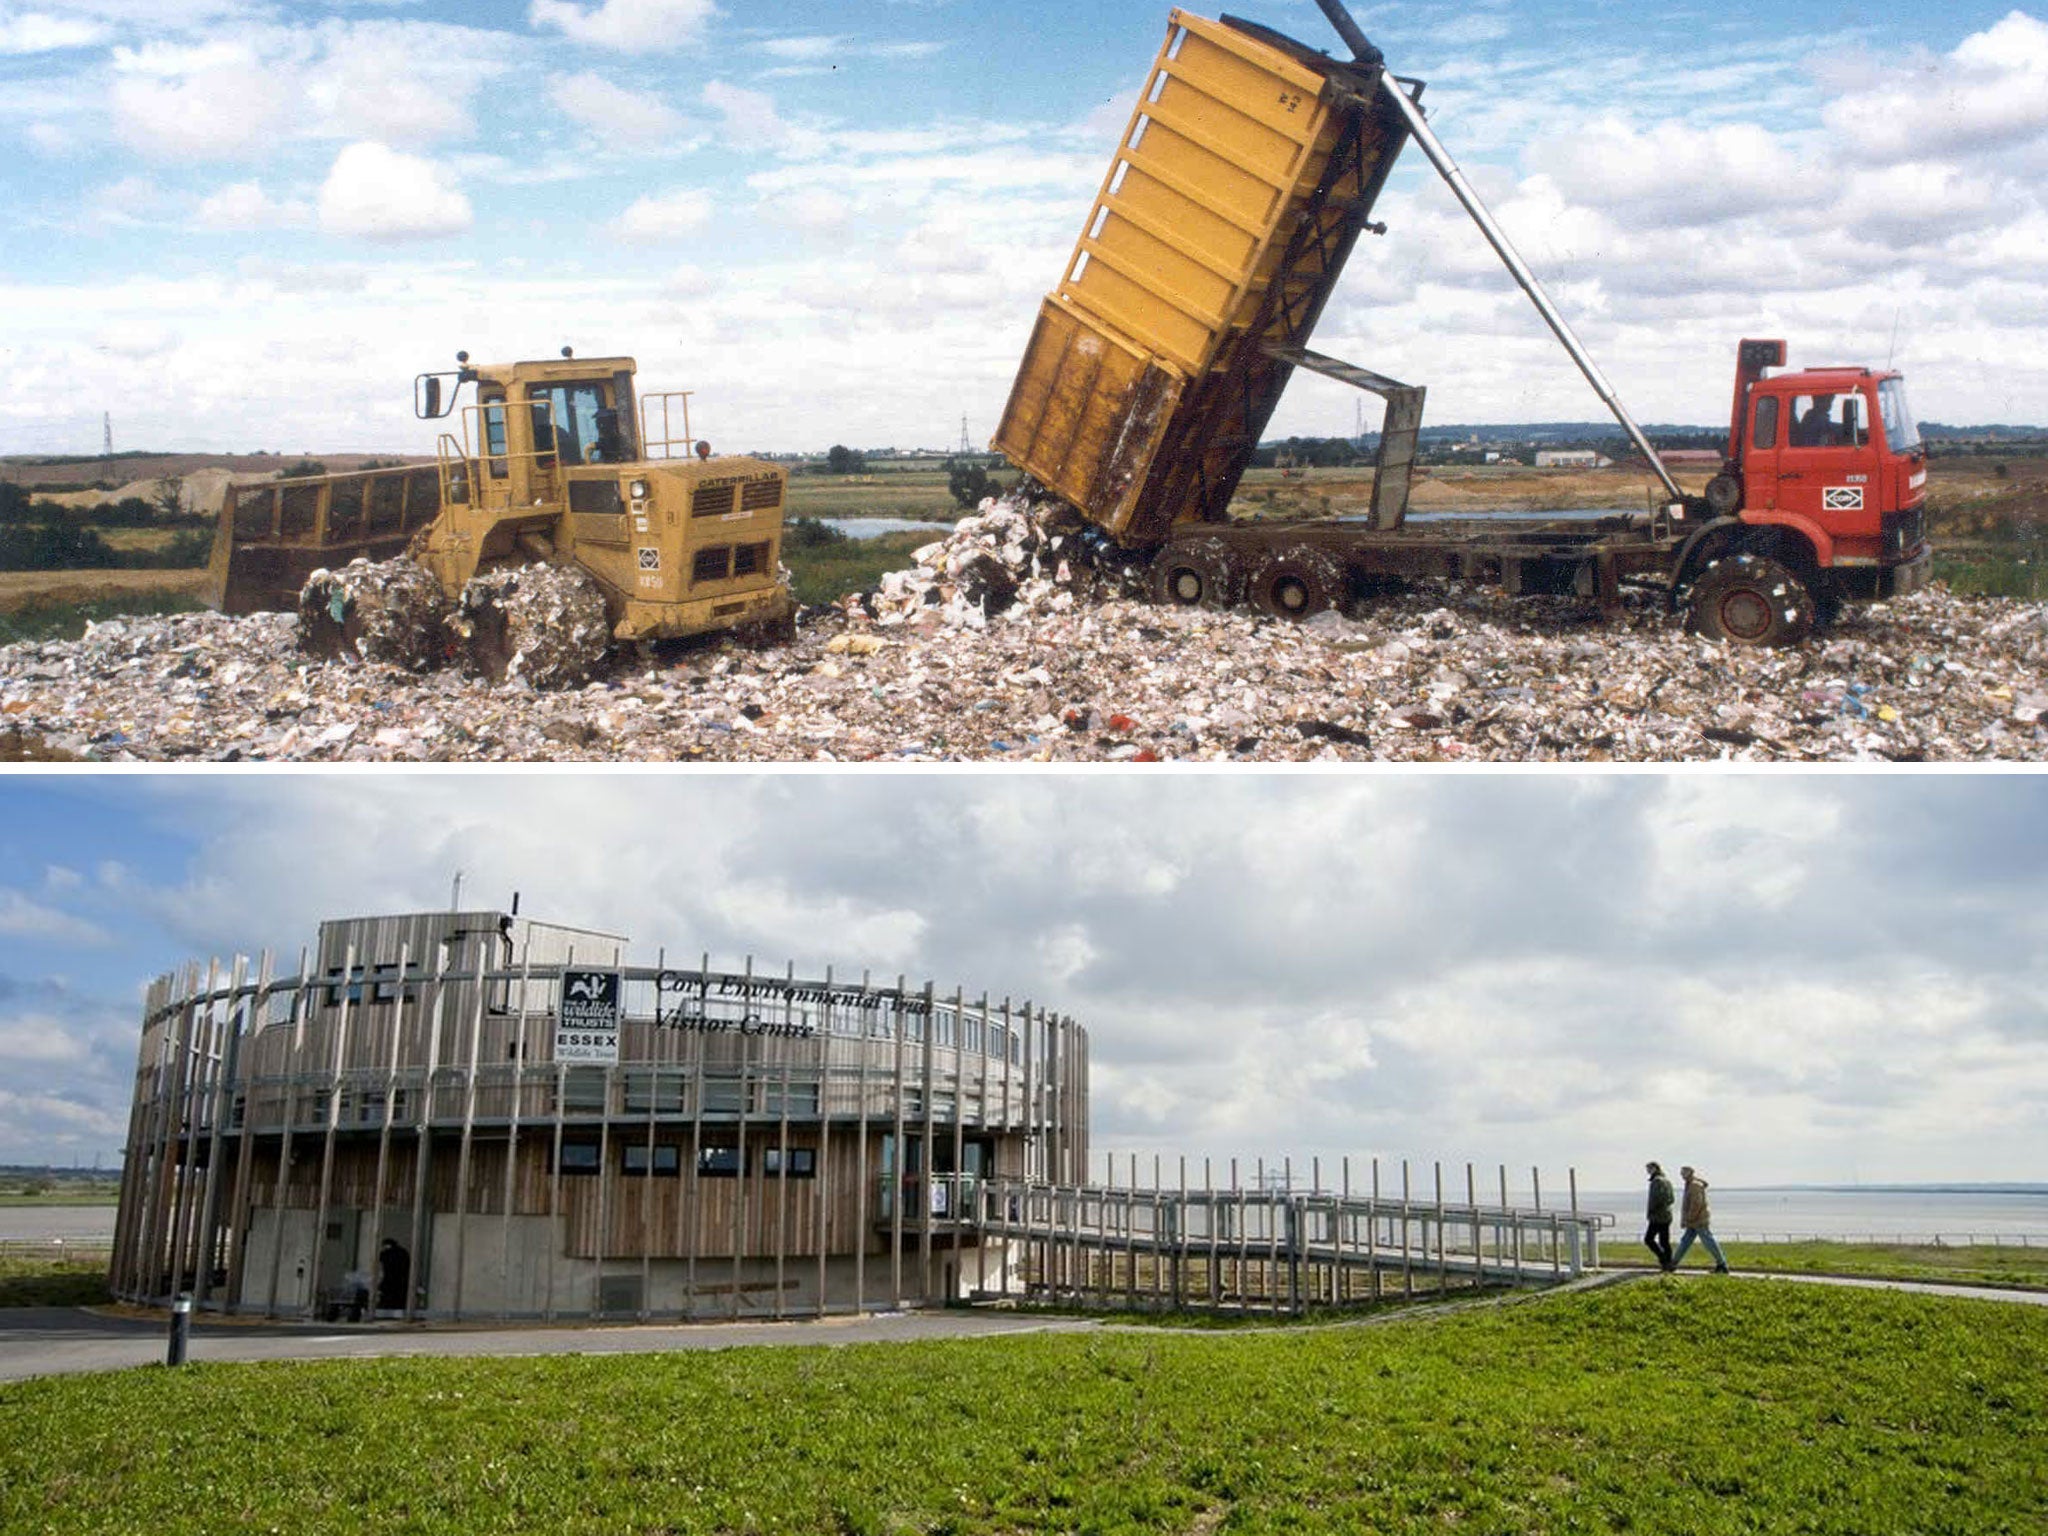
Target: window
<point>661,1089</point>
<point>724,1094</point>
<point>796,1099</point>
<point>1826,421</point>
<point>565,421</point>
<point>750,559</point>
<point>493,428</point>
<point>583,1090</point>
<point>718,1162</point>
<point>579,1159</point>
<point>801,1163</point>
<point>1766,423</point>
<point>665,1160</point>
<point>1901,432</point>
<point>712,564</point>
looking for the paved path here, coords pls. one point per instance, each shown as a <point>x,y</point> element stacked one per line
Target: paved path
<point>52,1341</point>
<point>1919,1287</point>
<point>49,1341</point>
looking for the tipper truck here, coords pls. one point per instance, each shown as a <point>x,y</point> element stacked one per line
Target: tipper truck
<point>552,462</point>
<point>1249,170</point>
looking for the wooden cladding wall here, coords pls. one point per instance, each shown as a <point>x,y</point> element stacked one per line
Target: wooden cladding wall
<point>372,1080</point>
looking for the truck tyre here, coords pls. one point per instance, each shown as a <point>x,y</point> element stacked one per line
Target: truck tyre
<point>1201,574</point>
<point>1297,582</point>
<point>1751,600</point>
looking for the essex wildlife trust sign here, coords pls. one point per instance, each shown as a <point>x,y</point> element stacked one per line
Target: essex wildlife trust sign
<point>587,1020</point>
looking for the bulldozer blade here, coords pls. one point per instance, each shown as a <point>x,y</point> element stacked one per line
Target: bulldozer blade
<point>274,534</point>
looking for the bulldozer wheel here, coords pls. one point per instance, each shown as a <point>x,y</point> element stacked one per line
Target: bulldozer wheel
<point>1751,600</point>
<point>1297,582</point>
<point>1203,574</point>
<point>544,623</point>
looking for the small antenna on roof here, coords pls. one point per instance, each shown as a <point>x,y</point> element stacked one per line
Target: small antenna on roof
<point>455,893</point>
<point>1888,351</point>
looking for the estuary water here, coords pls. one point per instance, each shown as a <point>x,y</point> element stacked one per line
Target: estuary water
<point>40,1223</point>
<point>1861,1212</point>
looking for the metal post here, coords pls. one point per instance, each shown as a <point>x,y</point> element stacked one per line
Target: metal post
<point>181,1330</point>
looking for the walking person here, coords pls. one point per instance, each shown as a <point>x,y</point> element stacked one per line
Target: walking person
<point>1694,1216</point>
<point>1657,1235</point>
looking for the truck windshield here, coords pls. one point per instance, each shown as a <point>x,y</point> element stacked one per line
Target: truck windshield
<point>1901,432</point>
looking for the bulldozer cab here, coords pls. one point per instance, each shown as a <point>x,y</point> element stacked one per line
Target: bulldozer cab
<point>528,424</point>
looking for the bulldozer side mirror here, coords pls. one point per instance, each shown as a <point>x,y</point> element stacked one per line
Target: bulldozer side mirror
<point>426,402</point>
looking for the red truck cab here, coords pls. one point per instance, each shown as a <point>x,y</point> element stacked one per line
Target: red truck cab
<point>1832,458</point>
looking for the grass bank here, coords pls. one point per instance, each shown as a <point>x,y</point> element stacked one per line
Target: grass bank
<point>65,618</point>
<point>40,1284</point>
<point>1695,1407</point>
<point>1957,1264</point>
<point>832,564</point>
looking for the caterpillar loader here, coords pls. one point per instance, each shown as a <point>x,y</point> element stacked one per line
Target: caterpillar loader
<point>553,462</point>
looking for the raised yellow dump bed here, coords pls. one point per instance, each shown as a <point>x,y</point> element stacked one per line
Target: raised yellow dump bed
<point>1246,173</point>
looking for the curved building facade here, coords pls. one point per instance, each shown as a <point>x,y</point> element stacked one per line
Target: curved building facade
<point>471,1114</point>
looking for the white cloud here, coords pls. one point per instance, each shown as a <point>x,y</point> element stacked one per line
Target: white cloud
<point>379,193</point>
<point>802,49</point>
<point>23,918</point>
<point>665,216</point>
<point>35,32</point>
<point>37,1040</point>
<point>749,117</point>
<point>627,24</point>
<point>215,103</point>
<point>812,208</point>
<point>389,83</point>
<point>614,113</point>
<point>1991,92</point>
<point>245,205</point>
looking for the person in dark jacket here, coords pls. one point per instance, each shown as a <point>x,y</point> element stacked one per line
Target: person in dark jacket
<point>1695,1217</point>
<point>1657,1236</point>
<point>394,1275</point>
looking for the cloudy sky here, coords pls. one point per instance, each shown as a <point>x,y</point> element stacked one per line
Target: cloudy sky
<point>1782,977</point>
<point>242,224</point>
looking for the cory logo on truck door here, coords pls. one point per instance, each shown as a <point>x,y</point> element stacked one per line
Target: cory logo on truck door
<point>1842,498</point>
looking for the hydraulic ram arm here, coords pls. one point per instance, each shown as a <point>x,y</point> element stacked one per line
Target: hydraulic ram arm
<point>1363,50</point>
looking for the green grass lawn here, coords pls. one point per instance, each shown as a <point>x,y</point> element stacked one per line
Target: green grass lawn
<point>822,573</point>
<point>1975,1264</point>
<point>1702,1407</point>
<point>39,1283</point>
<point>36,619</point>
<point>920,493</point>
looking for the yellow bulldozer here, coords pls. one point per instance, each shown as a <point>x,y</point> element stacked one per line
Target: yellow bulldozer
<point>553,464</point>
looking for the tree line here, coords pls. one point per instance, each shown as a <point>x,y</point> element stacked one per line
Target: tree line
<point>43,535</point>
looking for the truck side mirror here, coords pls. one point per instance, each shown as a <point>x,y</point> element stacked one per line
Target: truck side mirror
<point>1852,422</point>
<point>427,396</point>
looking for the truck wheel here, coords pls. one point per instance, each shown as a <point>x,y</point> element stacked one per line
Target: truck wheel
<point>1298,581</point>
<point>1202,574</point>
<point>1751,600</point>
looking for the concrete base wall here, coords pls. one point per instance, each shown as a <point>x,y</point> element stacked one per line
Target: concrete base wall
<point>481,1267</point>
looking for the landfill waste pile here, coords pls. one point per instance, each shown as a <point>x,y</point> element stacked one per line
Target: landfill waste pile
<point>1010,641</point>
